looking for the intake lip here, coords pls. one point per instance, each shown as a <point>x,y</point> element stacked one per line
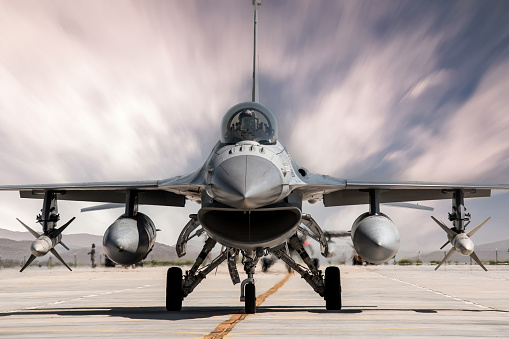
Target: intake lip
<point>263,227</point>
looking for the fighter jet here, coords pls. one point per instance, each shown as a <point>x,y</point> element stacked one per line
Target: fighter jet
<point>250,193</point>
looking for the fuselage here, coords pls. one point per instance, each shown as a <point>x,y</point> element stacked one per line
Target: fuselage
<point>248,178</point>
<point>248,202</point>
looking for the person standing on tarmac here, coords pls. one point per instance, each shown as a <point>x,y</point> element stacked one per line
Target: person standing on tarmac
<point>92,256</point>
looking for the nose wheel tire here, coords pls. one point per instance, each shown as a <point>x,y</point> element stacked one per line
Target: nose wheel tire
<point>250,299</point>
<point>332,288</point>
<point>174,293</point>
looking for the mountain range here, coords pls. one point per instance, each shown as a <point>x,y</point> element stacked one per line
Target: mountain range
<point>15,246</point>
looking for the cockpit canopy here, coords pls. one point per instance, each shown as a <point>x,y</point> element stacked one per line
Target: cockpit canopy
<point>249,121</point>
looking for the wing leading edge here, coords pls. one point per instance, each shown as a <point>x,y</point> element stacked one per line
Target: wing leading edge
<point>167,192</point>
<point>341,192</point>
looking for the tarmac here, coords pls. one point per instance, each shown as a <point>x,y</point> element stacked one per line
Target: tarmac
<point>378,301</point>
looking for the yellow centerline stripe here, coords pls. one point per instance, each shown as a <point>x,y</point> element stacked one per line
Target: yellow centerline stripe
<point>226,326</point>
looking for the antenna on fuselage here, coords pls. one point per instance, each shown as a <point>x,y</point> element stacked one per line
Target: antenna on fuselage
<point>255,95</point>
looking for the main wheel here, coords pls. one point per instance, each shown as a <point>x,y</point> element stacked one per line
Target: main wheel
<point>332,288</point>
<point>174,293</point>
<point>250,298</point>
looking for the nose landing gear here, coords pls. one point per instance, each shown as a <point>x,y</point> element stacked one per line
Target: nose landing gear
<point>247,288</point>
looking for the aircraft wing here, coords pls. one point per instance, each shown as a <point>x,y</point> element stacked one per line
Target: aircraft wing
<point>167,192</point>
<point>341,192</point>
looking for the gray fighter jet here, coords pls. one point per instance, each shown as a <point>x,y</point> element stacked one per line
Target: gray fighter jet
<point>250,194</point>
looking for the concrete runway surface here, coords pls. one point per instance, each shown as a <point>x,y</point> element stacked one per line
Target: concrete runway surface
<point>378,301</point>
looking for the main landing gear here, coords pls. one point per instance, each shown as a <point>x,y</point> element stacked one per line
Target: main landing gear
<point>179,286</point>
<point>174,291</point>
<point>332,288</point>
<point>329,287</point>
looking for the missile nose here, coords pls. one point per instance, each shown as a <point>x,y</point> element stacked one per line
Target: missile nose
<point>40,247</point>
<point>463,244</point>
<point>246,182</point>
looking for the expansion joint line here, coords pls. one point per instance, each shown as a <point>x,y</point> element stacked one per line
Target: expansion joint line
<point>226,326</point>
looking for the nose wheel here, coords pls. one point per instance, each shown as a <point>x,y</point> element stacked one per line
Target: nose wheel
<point>250,298</point>
<point>247,288</point>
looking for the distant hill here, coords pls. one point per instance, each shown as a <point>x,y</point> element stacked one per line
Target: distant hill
<point>16,246</point>
<point>12,235</point>
<point>14,250</point>
<point>500,245</point>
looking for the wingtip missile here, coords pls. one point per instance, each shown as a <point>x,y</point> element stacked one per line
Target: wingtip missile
<point>45,243</point>
<point>461,242</point>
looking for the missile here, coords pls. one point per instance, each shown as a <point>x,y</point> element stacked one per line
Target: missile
<point>45,243</point>
<point>460,242</point>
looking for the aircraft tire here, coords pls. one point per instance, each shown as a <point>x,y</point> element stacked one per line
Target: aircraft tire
<point>250,299</point>
<point>174,293</point>
<point>332,288</point>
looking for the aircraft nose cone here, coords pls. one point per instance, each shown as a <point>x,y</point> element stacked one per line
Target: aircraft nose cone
<point>246,182</point>
<point>40,247</point>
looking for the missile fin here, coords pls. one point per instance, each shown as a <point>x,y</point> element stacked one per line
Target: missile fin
<point>472,232</point>
<point>447,230</point>
<point>34,233</point>
<point>409,205</point>
<point>55,233</point>
<point>448,255</point>
<point>29,261</point>
<point>64,246</point>
<point>445,244</point>
<point>102,207</point>
<point>476,258</point>
<point>55,253</point>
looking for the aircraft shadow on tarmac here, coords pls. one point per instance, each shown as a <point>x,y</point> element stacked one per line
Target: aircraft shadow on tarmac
<point>159,313</point>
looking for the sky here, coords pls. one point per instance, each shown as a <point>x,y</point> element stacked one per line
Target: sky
<point>375,90</point>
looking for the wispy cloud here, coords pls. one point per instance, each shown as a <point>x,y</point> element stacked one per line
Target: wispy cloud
<point>99,91</point>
